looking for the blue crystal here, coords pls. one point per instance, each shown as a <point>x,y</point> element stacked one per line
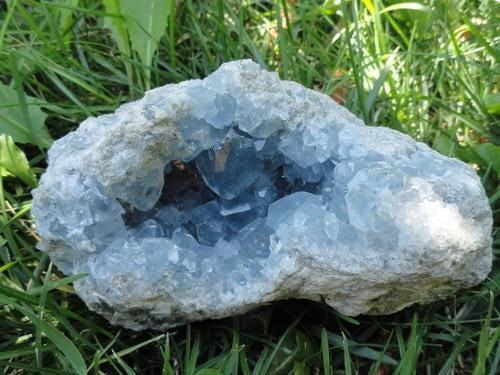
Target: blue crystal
<point>231,168</point>
<point>148,229</point>
<point>209,223</point>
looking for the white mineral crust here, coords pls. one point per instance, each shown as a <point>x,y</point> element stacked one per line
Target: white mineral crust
<point>211,197</point>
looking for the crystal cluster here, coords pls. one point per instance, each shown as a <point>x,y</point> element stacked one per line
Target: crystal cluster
<point>210,197</point>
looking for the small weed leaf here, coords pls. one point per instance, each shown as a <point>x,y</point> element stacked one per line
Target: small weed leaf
<point>24,125</point>
<point>13,162</point>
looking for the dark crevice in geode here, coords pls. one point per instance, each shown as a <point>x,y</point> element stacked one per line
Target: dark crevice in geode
<point>180,179</point>
<point>183,179</point>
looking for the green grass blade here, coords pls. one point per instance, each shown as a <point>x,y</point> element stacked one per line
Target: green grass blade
<point>66,347</point>
<point>486,342</point>
<point>325,352</point>
<point>347,356</point>
<point>454,355</point>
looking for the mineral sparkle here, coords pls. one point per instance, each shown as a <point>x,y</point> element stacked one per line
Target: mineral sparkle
<point>210,197</point>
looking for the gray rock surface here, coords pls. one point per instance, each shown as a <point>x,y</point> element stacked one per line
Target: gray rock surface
<point>210,197</point>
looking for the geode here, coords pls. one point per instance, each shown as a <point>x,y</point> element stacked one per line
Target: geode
<point>210,197</point>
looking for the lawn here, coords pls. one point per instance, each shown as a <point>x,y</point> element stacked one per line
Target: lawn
<point>428,68</point>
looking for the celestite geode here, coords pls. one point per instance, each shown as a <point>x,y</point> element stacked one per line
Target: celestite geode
<point>210,197</point>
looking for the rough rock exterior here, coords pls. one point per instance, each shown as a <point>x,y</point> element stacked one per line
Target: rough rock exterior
<point>210,197</point>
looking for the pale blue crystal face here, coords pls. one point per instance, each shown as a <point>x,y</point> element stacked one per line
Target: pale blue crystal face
<point>213,194</point>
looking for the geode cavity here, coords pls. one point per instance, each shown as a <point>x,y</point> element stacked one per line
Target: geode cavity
<point>210,197</point>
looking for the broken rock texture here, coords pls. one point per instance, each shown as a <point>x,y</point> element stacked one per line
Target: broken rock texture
<point>210,197</point>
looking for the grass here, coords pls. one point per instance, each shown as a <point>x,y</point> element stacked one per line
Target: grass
<point>429,69</point>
